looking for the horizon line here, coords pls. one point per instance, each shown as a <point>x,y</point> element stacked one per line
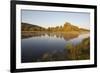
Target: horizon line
<point>57,25</point>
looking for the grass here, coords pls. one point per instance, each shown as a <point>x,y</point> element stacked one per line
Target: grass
<point>80,51</point>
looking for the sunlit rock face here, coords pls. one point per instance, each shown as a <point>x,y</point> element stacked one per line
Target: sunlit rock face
<point>59,43</point>
<point>67,27</point>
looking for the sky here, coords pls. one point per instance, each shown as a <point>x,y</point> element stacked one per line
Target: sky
<point>55,18</point>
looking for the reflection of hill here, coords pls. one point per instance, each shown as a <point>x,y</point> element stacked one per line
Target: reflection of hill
<point>67,31</point>
<point>31,34</point>
<point>70,35</point>
<point>66,36</point>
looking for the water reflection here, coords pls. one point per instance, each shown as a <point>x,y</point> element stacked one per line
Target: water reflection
<point>41,47</point>
<point>66,36</point>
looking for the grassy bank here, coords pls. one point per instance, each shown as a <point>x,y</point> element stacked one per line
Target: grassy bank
<point>80,51</point>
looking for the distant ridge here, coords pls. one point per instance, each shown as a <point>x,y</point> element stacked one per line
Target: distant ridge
<point>30,27</point>
<point>67,27</point>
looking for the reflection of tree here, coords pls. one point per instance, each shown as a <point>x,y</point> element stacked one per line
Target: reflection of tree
<point>31,34</point>
<point>70,35</point>
<point>66,36</point>
<point>67,31</point>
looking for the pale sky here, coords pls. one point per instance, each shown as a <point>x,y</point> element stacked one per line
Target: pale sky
<point>52,18</point>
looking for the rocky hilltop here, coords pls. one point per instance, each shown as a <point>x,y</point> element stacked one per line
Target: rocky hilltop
<point>67,27</point>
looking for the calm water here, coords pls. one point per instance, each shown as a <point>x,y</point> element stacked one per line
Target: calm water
<point>47,47</point>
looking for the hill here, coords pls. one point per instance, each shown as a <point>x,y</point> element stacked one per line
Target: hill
<point>67,27</point>
<point>30,27</point>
